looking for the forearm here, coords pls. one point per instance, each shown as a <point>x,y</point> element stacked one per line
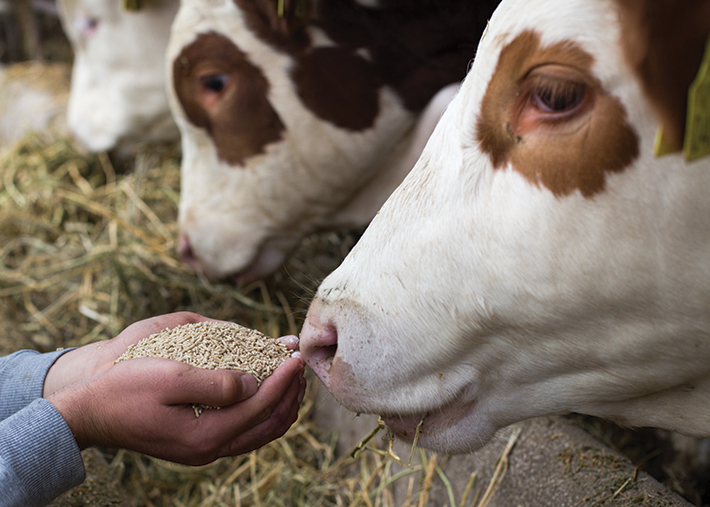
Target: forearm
<point>39,457</point>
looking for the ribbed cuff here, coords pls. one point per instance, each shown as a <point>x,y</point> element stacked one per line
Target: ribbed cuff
<point>39,457</point>
<point>22,377</point>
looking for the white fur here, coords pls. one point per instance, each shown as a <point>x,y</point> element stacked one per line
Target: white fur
<point>118,83</point>
<point>318,177</point>
<point>33,98</point>
<point>482,299</point>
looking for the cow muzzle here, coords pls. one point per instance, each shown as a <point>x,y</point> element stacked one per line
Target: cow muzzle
<point>319,344</point>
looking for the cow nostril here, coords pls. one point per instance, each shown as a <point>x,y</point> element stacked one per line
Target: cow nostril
<point>319,346</point>
<point>185,251</point>
<point>324,348</point>
<point>324,354</point>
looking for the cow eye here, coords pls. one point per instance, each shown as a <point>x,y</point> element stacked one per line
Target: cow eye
<point>215,83</point>
<point>86,25</point>
<point>557,96</point>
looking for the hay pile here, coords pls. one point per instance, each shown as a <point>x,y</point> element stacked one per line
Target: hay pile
<point>85,251</point>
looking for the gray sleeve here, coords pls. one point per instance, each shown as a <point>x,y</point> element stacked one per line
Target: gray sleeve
<point>39,457</point>
<point>22,377</point>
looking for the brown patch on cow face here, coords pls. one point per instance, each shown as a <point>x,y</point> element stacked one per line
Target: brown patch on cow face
<point>663,41</point>
<point>224,93</point>
<point>416,48</point>
<point>547,116</point>
<point>334,83</point>
<point>338,87</point>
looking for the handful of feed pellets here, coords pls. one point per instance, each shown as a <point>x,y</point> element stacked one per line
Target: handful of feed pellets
<point>213,346</point>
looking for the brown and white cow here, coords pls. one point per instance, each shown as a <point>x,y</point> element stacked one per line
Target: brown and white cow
<point>304,121</point>
<point>118,85</point>
<point>539,258</point>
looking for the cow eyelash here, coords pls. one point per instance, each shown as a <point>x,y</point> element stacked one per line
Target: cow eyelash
<point>554,95</point>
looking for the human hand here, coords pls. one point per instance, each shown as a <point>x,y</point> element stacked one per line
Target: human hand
<point>96,357</point>
<point>145,404</point>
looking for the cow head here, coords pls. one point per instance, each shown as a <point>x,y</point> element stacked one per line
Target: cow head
<point>300,122</point>
<point>118,78</point>
<point>539,259</point>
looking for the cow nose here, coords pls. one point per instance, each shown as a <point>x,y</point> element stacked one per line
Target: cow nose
<point>319,343</point>
<point>185,252</point>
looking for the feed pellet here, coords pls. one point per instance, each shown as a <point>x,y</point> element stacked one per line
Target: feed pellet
<point>214,345</point>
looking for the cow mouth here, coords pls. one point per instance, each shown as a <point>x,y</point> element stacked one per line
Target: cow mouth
<point>424,426</point>
<point>405,427</point>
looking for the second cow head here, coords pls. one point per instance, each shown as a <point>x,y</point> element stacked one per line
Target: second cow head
<point>304,120</point>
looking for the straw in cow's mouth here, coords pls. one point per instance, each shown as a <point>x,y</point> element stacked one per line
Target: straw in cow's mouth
<point>381,424</point>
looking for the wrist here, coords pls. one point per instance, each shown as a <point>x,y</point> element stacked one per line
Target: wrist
<point>70,367</point>
<point>73,405</point>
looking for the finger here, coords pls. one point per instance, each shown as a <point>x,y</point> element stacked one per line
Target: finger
<point>273,386</point>
<point>291,341</point>
<point>282,384</point>
<point>183,383</point>
<point>281,419</point>
<point>230,432</point>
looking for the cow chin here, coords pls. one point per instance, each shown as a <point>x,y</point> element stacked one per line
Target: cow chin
<point>243,254</point>
<point>241,270</point>
<point>266,262</point>
<point>95,137</point>
<point>454,428</point>
<point>450,424</point>
<point>451,427</point>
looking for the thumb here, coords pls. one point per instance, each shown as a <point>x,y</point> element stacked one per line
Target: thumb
<point>216,388</point>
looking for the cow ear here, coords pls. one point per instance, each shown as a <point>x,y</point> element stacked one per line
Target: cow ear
<point>131,5</point>
<point>664,42</point>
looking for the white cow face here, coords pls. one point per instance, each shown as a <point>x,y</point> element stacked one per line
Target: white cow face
<point>286,126</point>
<point>118,79</point>
<point>539,258</point>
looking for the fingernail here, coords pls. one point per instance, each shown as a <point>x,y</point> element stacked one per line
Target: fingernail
<point>249,386</point>
<point>290,340</point>
<point>297,355</point>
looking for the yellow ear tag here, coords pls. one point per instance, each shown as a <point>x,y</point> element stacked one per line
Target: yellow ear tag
<point>697,126</point>
<point>660,145</point>
<point>131,5</point>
